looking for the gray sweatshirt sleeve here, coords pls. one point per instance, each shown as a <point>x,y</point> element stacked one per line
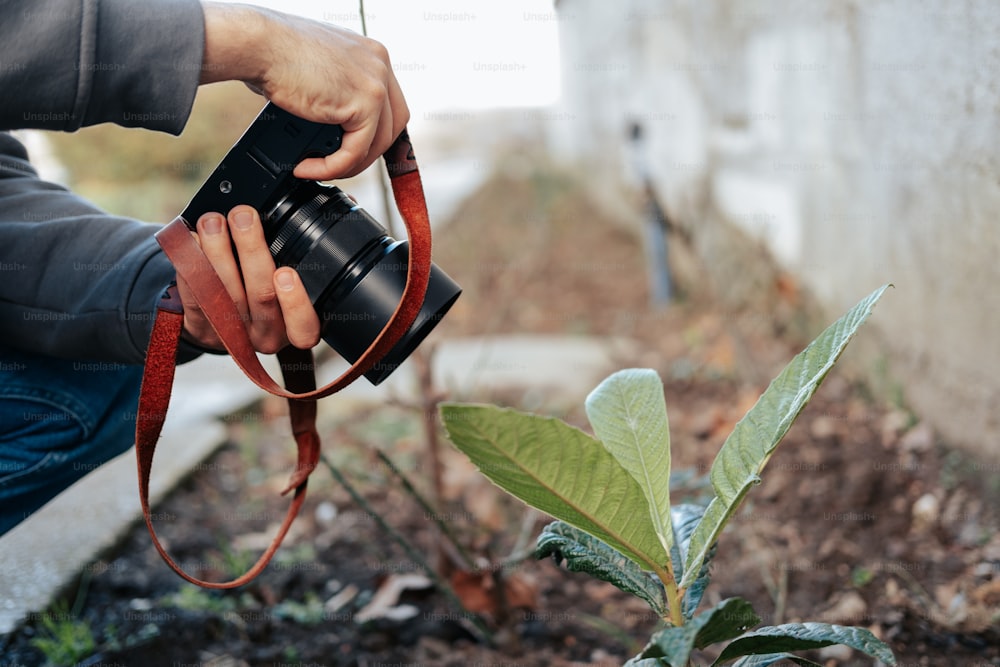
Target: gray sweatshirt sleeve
<point>71,63</point>
<point>76,282</point>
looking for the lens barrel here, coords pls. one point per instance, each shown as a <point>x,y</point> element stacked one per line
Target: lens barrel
<point>353,272</point>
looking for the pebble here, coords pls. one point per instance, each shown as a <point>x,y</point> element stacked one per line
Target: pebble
<point>326,512</point>
<point>140,604</point>
<point>925,512</point>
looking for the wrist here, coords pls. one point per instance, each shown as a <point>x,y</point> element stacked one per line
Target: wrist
<point>229,29</point>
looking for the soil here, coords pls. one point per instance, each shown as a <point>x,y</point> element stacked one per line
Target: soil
<point>864,517</point>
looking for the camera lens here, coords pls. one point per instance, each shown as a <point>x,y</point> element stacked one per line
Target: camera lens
<point>353,271</point>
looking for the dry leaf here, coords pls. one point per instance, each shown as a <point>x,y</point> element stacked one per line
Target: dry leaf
<point>383,603</point>
<point>477,591</point>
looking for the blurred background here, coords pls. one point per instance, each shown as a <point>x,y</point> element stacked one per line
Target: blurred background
<point>851,144</point>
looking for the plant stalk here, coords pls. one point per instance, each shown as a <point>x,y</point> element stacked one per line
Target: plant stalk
<point>429,511</point>
<point>390,219</point>
<point>674,595</point>
<point>478,627</point>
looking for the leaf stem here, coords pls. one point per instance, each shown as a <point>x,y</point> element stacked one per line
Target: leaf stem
<point>674,594</point>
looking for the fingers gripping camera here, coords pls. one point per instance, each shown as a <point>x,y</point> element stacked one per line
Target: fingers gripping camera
<point>353,271</point>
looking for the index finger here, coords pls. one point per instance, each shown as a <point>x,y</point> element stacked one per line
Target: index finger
<point>350,159</point>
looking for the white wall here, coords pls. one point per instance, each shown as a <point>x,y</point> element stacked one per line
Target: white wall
<point>860,139</point>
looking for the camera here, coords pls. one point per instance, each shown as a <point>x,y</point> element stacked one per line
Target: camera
<point>353,271</point>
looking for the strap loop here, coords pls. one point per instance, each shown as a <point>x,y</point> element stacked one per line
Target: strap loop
<point>297,365</point>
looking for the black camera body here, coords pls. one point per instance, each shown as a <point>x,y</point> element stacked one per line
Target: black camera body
<point>353,271</point>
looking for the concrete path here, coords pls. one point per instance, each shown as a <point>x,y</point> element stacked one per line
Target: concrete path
<point>43,555</point>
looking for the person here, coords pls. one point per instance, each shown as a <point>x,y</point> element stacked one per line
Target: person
<point>78,286</point>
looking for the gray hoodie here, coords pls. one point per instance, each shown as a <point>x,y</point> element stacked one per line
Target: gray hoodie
<point>76,282</point>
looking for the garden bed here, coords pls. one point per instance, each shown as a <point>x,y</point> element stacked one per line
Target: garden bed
<point>863,517</point>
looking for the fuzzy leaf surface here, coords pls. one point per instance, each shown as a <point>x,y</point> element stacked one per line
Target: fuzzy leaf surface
<point>685,517</point>
<point>561,471</point>
<point>768,659</point>
<point>800,636</point>
<point>748,448</point>
<point>730,618</point>
<point>629,416</point>
<point>583,552</point>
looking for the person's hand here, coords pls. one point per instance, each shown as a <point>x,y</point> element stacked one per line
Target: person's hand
<point>272,303</point>
<point>314,70</point>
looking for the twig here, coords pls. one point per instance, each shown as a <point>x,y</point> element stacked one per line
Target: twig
<point>611,630</point>
<point>524,536</point>
<point>428,510</point>
<point>478,628</point>
<point>424,366</point>
<point>522,550</point>
<point>776,588</point>
<point>782,597</point>
<point>390,219</point>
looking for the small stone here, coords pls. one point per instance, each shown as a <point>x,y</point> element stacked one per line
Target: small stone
<point>925,512</point>
<point>326,512</point>
<point>601,657</point>
<point>140,604</point>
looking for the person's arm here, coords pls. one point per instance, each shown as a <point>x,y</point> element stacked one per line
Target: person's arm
<point>314,70</point>
<point>76,282</point>
<point>65,64</point>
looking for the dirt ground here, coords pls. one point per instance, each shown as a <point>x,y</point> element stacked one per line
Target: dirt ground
<point>864,516</point>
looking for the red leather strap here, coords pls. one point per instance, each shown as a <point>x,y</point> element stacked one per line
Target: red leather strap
<point>297,365</point>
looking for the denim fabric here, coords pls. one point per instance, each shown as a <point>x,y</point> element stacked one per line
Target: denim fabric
<point>59,420</point>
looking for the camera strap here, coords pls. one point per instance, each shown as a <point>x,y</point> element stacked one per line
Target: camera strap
<point>297,365</point>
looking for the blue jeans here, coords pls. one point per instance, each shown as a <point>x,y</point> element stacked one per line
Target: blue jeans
<point>59,420</point>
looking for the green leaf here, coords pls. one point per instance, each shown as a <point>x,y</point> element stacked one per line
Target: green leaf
<point>629,416</point>
<point>585,553</point>
<point>725,620</point>
<point>672,646</point>
<point>747,450</point>
<point>730,618</point>
<point>799,636</point>
<point>768,659</point>
<point>685,517</point>
<point>561,471</point>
